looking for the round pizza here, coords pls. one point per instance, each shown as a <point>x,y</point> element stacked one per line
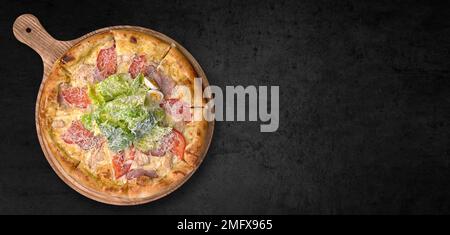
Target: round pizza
<point>117,114</point>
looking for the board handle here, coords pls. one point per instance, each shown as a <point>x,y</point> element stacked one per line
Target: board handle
<point>28,30</point>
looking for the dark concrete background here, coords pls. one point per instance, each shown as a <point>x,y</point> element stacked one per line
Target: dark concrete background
<point>365,98</point>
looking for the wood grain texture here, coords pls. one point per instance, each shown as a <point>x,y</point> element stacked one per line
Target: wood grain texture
<point>28,30</point>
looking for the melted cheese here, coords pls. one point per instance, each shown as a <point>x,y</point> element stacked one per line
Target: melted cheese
<point>123,62</point>
<point>66,117</point>
<point>83,75</point>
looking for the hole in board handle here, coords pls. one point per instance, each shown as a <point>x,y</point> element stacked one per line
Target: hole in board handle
<point>28,30</point>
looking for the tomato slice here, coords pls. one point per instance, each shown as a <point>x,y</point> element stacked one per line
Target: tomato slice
<point>118,165</point>
<point>107,62</point>
<point>122,162</point>
<point>76,96</point>
<point>178,144</point>
<point>77,134</point>
<point>138,66</point>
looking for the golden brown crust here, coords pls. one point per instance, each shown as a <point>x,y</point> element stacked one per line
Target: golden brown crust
<point>195,134</point>
<point>130,42</point>
<point>161,187</point>
<point>48,105</point>
<point>86,178</point>
<point>177,68</point>
<point>86,51</point>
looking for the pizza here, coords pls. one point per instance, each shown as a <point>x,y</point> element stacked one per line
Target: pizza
<point>113,115</point>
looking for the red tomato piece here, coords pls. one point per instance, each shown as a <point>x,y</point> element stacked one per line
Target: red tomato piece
<point>107,62</point>
<point>76,96</point>
<point>77,134</point>
<point>178,144</point>
<point>118,161</point>
<point>139,65</point>
<point>122,162</point>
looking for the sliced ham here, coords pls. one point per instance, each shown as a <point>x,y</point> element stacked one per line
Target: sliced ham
<point>135,173</point>
<point>166,84</point>
<point>177,109</point>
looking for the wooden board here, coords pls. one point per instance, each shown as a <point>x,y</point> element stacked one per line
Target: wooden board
<point>29,31</point>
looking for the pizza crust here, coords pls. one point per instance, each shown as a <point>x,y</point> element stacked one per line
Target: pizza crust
<point>138,188</point>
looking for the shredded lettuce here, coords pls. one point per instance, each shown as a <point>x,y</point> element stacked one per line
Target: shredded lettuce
<point>141,127</point>
<point>118,138</point>
<point>87,121</point>
<point>95,97</point>
<point>127,109</point>
<point>159,114</point>
<point>151,139</point>
<point>113,86</point>
<point>136,85</point>
<point>120,112</point>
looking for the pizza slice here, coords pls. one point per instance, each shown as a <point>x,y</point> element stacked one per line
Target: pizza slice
<point>91,60</point>
<point>137,51</point>
<point>179,92</point>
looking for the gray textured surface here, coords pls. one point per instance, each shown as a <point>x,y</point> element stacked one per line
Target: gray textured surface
<point>364,125</point>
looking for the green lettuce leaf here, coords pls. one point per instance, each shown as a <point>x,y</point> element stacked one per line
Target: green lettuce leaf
<point>120,113</point>
<point>137,84</point>
<point>87,121</point>
<point>113,86</point>
<point>96,98</point>
<point>127,109</point>
<point>159,114</point>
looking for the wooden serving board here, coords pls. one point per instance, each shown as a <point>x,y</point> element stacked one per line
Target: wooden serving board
<point>29,31</point>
